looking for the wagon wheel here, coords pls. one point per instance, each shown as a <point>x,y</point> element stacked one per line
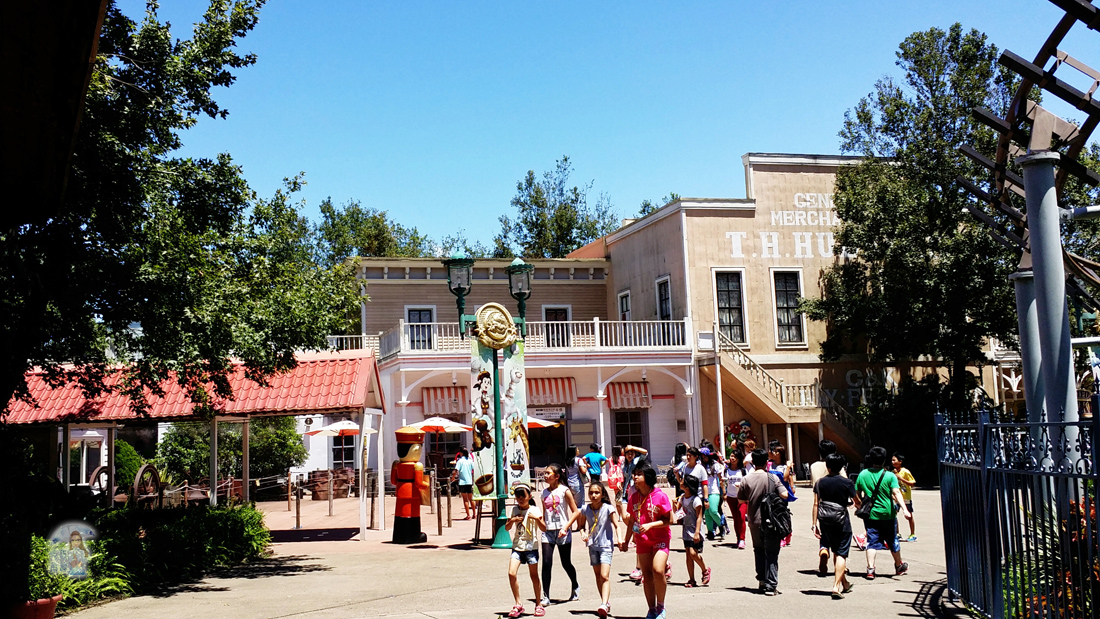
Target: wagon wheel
<point>147,485</point>
<point>97,481</point>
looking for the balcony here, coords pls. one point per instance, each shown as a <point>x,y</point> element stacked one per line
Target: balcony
<point>596,335</point>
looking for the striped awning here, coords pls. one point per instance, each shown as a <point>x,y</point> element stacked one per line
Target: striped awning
<point>551,391</point>
<point>628,396</point>
<point>444,400</point>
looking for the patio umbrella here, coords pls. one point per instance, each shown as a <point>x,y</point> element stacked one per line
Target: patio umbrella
<point>535,422</point>
<point>439,424</point>
<point>340,428</point>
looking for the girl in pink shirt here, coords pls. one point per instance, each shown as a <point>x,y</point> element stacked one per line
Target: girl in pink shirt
<point>649,515</point>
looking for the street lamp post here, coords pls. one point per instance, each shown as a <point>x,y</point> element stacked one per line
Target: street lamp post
<point>519,285</point>
<point>459,280</point>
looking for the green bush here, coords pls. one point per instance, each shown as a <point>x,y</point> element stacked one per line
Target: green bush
<point>42,582</point>
<point>127,463</point>
<point>172,545</point>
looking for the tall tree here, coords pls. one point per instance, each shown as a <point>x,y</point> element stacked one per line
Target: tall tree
<point>162,263</point>
<point>928,280</point>
<point>552,218</point>
<point>648,206</point>
<point>353,230</point>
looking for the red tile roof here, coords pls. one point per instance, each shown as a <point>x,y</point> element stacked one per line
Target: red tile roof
<point>328,381</point>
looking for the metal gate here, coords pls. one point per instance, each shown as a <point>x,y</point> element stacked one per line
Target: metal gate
<point>1019,514</point>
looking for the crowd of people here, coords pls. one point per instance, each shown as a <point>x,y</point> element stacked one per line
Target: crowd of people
<point>616,502</point>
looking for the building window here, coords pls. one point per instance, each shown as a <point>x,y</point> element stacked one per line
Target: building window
<point>557,335</point>
<point>624,306</point>
<point>731,306</point>
<point>343,452</point>
<point>420,328</point>
<point>788,320</point>
<point>446,443</point>
<point>630,428</point>
<point>664,300</point>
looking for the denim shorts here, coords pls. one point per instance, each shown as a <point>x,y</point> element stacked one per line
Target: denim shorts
<point>530,557</point>
<point>597,555</point>
<point>550,536</point>
<point>883,535</point>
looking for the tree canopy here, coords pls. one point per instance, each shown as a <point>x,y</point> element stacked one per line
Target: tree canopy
<point>160,263</point>
<point>552,218</point>
<point>928,280</point>
<point>274,446</point>
<point>648,206</point>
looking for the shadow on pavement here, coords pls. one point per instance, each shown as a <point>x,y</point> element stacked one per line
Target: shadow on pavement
<point>185,587</point>
<point>288,565</point>
<point>313,535</point>
<point>932,601</point>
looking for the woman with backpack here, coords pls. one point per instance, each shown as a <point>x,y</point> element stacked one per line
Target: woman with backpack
<point>831,522</point>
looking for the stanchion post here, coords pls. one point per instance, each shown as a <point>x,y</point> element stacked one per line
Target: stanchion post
<point>449,503</point>
<point>330,476</point>
<point>289,489</point>
<point>298,505</point>
<point>438,499</point>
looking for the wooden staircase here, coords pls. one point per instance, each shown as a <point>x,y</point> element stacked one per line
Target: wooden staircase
<point>769,400</point>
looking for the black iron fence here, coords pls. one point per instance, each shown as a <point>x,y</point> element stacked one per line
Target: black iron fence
<point>1019,514</point>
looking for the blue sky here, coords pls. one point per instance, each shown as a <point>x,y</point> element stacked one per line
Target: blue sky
<point>433,111</point>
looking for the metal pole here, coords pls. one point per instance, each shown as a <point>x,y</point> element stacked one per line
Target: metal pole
<point>500,535</point>
<point>330,476</point>
<point>449,525</point>
<point>298,504</point>
<point>289,488</point>
<point>438,504</point>
<point>718,388</point>
<point>246,491</point>
<point>1052,307</point>
<point>213,462</point>
<point>1027,319</point>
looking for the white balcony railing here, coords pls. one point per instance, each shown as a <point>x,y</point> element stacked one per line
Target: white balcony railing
<point>444,337</point>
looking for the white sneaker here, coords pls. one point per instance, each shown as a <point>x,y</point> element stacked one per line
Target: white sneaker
<point>545,601</point>
<point>576,595</point>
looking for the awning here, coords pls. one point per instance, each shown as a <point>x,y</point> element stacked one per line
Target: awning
<point>629,396</point>
<point>444,400</point>
<point>551,391</point>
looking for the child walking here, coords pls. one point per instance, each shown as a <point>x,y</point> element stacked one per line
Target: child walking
<point>601,533</point>
<point>692,505</point>
<point>907,483</point>
<point>525,517</point>
<point>648,516</point>
<point>560,510</point>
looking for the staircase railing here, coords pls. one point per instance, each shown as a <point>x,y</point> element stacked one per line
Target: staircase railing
<point>793,396</point>
<point>854,424</point>
<point>771,384</point>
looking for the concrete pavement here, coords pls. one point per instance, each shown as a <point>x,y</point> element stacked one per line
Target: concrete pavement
<point>324,571</point>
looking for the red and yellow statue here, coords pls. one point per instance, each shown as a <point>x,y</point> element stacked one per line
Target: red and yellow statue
<point>407,475</point>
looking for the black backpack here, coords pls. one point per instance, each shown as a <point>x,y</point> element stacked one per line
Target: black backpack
<point>775,514</point>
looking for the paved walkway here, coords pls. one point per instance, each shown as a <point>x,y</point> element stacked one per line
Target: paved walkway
<point>324,571</point>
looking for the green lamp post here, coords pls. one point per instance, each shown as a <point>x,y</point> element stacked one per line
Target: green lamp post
<point>459,280</point>
<point>519,285</point>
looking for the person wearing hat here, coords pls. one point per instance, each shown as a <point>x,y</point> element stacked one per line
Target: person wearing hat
<point>407,476</point>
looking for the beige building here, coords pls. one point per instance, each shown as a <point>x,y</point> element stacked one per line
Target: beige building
<point>632,338</point>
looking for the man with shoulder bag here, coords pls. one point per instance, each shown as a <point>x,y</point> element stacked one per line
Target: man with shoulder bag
<point>755,491</point>
<point>831,524</point>
<point>879,491</point>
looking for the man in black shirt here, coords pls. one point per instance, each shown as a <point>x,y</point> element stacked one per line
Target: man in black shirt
<point>831,522</point>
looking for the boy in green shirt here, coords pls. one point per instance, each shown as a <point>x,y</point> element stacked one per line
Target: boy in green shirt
<point>882,525</point>
<point>906,483</point>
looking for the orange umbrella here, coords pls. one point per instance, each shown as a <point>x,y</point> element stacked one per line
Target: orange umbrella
<point>439,424</point>
<point>535,422</point>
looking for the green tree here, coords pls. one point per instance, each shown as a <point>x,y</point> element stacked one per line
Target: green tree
<point>353,230</point>
<point>648,206</point>
<point>163,263</point>
<point>552,218</point>
<point>274,446</point>
<point>928,280</point>
<point>127,463</point>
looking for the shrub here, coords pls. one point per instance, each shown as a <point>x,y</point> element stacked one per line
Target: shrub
<point>41,581</point>
<point>171,545</point>
<point>127,463</point>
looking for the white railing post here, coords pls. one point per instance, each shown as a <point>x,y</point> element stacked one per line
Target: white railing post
<point>596,329</point>
<point>403,335</point>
